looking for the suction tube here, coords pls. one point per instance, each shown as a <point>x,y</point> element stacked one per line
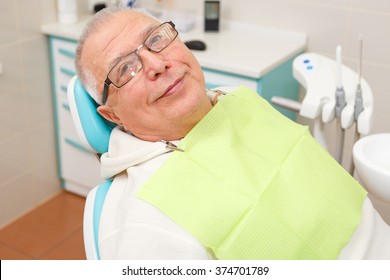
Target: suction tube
<point>340,104</point>
<point>358,97</point>
<point>359,94</point>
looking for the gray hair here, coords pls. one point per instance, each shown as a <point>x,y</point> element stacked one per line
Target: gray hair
<point>87,78</point>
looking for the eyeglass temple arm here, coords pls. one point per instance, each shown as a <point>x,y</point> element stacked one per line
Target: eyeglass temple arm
<point>107,83</point>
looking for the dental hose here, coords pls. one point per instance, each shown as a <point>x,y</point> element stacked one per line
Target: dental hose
<point>359,92</point>
<point>358,97</point>
<point>340,104</point>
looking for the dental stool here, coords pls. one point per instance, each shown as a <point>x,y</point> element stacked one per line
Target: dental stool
<point>94,132</point>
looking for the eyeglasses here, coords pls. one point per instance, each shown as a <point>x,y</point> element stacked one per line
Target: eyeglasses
<point>129,66</point>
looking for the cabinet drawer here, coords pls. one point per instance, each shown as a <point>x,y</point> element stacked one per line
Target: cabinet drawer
<point>65,121</point>
<point>63,53</point>
<point>77,164</point>
<point>217,79</point>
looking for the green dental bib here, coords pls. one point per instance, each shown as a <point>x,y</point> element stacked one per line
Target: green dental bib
<point>251,184</point>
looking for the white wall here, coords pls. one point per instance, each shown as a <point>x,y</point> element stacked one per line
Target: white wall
<point>28,173</point>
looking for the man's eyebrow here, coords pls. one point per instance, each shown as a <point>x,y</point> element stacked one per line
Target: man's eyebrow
<point>143,34</point>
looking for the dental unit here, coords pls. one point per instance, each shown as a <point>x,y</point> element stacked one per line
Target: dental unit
<point>351,106</point>
<point>331,94</point>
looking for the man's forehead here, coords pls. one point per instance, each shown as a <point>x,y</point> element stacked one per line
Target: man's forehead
<point>116,36</point>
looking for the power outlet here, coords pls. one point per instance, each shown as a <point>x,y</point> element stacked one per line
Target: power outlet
<point>1,68</point>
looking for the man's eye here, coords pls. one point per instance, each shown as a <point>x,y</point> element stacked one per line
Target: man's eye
<point>124,69</point>
<point>155,39</point>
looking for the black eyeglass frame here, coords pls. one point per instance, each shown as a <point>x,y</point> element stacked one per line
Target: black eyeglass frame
<point>108,82</point>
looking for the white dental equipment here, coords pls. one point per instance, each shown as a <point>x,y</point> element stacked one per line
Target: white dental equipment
<point>358,108</point>
<point>358,95</point>
<point>317,74</point>
<point>340,104</point>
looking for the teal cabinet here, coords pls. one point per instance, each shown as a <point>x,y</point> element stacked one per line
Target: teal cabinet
<point>277,82</point>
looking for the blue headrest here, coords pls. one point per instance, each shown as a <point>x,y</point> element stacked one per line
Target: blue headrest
<point>94,130</point>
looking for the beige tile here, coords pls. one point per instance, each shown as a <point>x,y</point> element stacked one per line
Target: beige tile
<point>35,59</point>
<point>32,14</point>
<point>48,12</point>
<point>376,40</point>
<point>11,78</point>
<point>22,194</point>
<point>339,3</point>
<point>381,123</point>
<point>47,226</point>
<point>382,6</point>
<point>7,253</point>
<point>46,173</point>
<point>324,34</point>
<point>377,76</point>
<point>13,163</point>
<point>40,144</point>
<point>8,22</point>
<point>71,248</point>
<point>39,102</point>
<point>12,104</point>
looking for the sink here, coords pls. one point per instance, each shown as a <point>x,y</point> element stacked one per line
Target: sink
<point>371,155</point>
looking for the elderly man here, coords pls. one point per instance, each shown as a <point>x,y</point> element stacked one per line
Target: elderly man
<point>243,182</point>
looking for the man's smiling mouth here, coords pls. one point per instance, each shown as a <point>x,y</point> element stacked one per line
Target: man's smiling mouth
<point>172,88</point>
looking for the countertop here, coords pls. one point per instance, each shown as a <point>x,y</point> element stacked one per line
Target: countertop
<point>238,48</point>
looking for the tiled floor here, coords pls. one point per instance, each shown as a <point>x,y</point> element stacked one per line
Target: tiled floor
<point>52,231</point>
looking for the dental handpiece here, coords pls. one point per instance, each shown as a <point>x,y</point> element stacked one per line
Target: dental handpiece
<point>340,93</point>
<point>359,93</point>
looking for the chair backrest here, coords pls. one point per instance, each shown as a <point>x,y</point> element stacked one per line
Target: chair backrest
<point>94,132</point>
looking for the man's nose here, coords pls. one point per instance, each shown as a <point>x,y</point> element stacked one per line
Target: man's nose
<point>153,64</point>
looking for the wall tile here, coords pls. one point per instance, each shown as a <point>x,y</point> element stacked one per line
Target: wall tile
<point>14,157</point>
<point>11,78</point>
<point>44,183</point>
<point>17,197</point>
<point>324,34</point>
<point>12,114</point>
<point>26,118</point>
<point>32,14</point>
<point>35,59</point>
<point>376,44</point>
<point>40,143</point>
<point>38,99</point>
<point>9,30</point>
<point>381,123</point>
<point>377,76</point>
<point>27,188</point>
<point>381,6</point>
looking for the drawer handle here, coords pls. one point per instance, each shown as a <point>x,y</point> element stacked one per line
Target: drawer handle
<point>77,145</point>
<point>68,72</point>
<point>67,53</point>
<point>66,107</point>
<point>64,89</point>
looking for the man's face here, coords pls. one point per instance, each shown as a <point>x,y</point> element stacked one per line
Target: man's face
<point>166,98</point>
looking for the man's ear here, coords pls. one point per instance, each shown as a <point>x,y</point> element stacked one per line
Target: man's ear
<point>107,113</point>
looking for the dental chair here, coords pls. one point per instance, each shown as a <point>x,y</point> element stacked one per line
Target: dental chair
<point>94,132</point>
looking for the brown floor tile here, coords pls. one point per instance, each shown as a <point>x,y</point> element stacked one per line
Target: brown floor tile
<point>7,253</point>
<point>45,227</point>
<point>71,249</point>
